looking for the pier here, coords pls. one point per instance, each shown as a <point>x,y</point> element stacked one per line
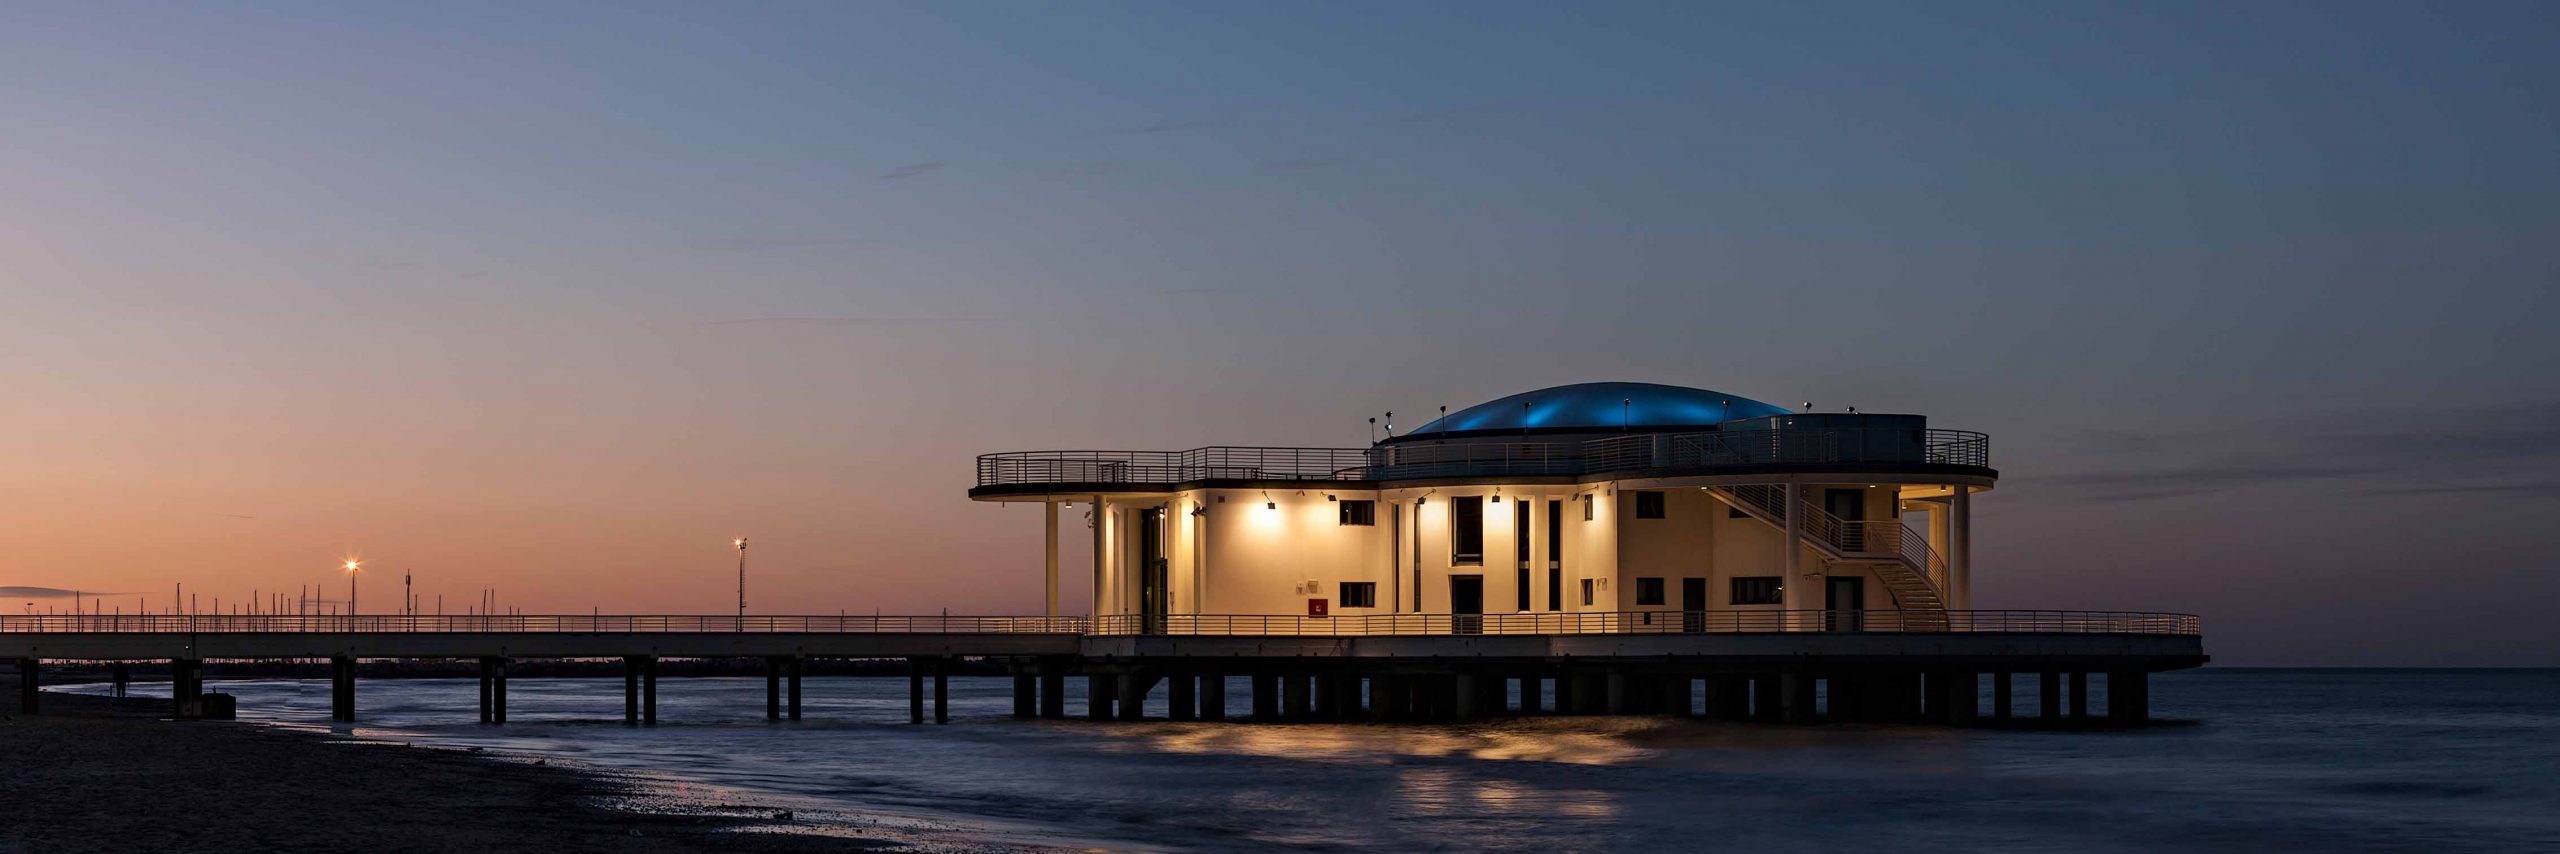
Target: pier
<point>1796,667</point>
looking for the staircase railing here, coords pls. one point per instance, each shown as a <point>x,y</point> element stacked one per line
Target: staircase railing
<point>1846,538</point>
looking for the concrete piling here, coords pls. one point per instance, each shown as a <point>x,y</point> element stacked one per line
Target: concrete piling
<point>28,670</point>
<point>1213,697</point>
<point>2001,701</point>
<point>2049,697</point>
<point>1181,703</point>
<point>2079,696</point>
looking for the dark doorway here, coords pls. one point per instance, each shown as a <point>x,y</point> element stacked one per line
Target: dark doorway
<point>1693,604</point>
<point>1466,604</point>
<point>1155,592</point>
<point>1846,599</point>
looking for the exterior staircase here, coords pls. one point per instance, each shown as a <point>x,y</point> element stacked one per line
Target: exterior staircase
<point>1913,574</point>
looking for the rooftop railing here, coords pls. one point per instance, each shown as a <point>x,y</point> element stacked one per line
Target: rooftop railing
<point>1360,625</point>
<point>1425,459</point>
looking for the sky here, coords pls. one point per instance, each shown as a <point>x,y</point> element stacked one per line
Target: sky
<point>2255,300</point>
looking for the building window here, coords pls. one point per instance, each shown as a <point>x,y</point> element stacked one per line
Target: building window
<point>1759,590</point>
<point>1648,591</point>
<point>1555,555</point>
<point>1359,594</point>
<point>1649,505</point>
<point>1466,530</point>
<point>1586,593</point>
<point>1359,512</point>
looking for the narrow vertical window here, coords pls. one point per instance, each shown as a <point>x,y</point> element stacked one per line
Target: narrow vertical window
<point>1520,547</point>
<point>1555,555</point>
<point>1466,530</point>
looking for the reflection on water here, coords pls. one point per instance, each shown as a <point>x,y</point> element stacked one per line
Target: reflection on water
<point>2336,760</point>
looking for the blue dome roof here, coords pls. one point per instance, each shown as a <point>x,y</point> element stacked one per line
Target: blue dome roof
<point>1599,407</point>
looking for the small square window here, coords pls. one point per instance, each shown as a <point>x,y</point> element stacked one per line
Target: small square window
<point>1586,593</point>
<point>1359,512</point>
<point>1649,505</point>
<point>1360,594</point>
<point>1648,591</point>
<point>1759,590</point>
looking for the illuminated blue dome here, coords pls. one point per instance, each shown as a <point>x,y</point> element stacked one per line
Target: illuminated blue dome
<point>1597,407</point>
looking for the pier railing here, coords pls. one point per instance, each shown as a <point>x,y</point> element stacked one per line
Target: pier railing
<point>1414,460</point>
<point>546,623</point>
<point>1374,625</point>
<point>1660,622</point>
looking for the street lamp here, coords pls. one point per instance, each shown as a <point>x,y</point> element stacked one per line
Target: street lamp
<point>742,584</point>
<point>351,587</point>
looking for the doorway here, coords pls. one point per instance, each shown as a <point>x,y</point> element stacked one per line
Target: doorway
<point>1845,601</point>
<point>1466,604</point>
<point>1693,604</point>
<point>1154,587</point>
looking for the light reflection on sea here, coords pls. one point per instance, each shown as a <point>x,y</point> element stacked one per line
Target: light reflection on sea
<point>2324,759</point>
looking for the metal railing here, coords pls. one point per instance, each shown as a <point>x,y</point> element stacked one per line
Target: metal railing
<point>1553,623</point>
<point>543,623</point>
<point>1421,459</point>
<point>1655,622</point>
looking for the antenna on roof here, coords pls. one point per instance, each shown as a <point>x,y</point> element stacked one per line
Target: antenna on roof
<point>1373,429</point>
<point>1623,403</point>
<point>1524,417</point>
<point>1444,421</point>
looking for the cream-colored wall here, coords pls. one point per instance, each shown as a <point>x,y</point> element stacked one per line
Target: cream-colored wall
<point>1256,558</point>
<point>1679,545</point>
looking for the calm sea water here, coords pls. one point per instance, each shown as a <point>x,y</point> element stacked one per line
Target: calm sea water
<point>2327,760</point>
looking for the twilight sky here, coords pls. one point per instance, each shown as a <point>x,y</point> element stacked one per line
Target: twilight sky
<point>2257,303</point>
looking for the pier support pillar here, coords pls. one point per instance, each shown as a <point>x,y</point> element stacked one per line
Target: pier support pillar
<point>942,691</point>
<point>1180,701</point>
<point>2079,696</point>
<point>1959,697</point>
<point>1530,701</point>
<point>186,687</point>
<point>493,689</point>
<point>2001,699</point>
<point>2049,697</point>
<point>1564,694</point>
<point>1098,691</point>
<point>1026,694</point>
<point>915,690</point>
<point>1134,688</point>
<point>1463,696</point>
<point>1385,696</point>
<point>1213,697</point>
<point>1296,705</point>
<point>1266,696</point>
<point>1677,697</point>
<point>631,690</point>
<point>1053,690</point>
<point>27,690</point>
<point>791,678</point>
<point>1795,697</point>
<point>649,689</point>
<point>1764,699</point>
<point>1617,693</point>
<point>772,689</point>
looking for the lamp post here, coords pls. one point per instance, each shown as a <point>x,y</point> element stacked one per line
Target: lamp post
<point>351,587</point>
<point>742,584</point>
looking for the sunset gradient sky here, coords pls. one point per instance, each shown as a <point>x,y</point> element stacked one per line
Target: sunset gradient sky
<point>2257,303</point>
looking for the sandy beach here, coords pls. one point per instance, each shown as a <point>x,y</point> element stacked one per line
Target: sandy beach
<point>89,775</point>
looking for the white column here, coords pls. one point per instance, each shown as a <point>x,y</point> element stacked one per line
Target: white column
<point>1960,551</point>
<point>1101,559</point>
<point>1049,513</point>
<point>1793,592</point>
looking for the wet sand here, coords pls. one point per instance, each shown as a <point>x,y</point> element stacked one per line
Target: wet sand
<point>88,775</point>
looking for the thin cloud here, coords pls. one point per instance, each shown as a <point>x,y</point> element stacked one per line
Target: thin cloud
<point>844,321</point>
<point>912,170</point>
<point>2508,449</point>
<point>744,244</point>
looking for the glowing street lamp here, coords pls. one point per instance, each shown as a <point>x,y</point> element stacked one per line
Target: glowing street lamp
<point>351,587</point>
<point>742,583</point>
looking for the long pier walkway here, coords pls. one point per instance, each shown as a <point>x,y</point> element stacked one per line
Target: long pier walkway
<point>1790,666</point>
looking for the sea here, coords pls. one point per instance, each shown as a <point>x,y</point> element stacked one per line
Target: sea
<point>2326,760</point>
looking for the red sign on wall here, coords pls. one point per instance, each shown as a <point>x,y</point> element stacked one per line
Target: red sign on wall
<point>1316,608</point>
